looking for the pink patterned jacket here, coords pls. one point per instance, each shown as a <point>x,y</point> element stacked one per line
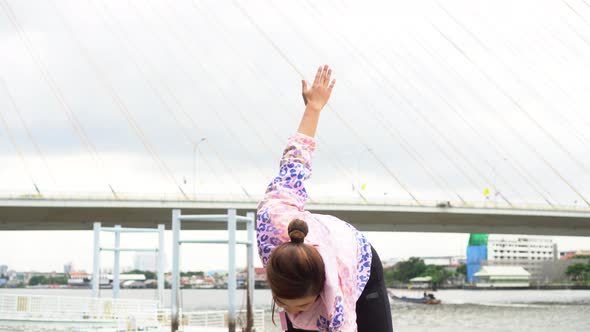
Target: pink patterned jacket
<point>345,251</point>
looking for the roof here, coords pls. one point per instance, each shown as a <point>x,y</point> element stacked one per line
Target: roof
<point>421,279</point>
<point>478,239</point>
<point>122,277</point>
<point>502,271</point>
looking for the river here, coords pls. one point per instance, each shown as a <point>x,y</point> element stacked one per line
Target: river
<point>462,310</point>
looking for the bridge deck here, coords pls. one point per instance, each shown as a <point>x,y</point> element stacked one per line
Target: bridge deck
<point>72,214</point>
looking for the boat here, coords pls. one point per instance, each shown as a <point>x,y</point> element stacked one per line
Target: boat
<point>419,300</point>
<point>427,298</point>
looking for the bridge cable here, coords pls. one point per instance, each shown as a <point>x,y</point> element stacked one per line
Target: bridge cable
<point>349,127</point>
<point>190,118</point>
<point>17,149</point>
<point>195,83</point>
<point>485,103</point>
<point>188,51</point>
<point>359,57</point>
<point>68,111</point>
<point>16,108</point>
<point>220,69</point>
<point>571,129</point>
<point>514,102</point>
<point>256,72</point>
<point>470,88</point>
<point>456,113</point>
<point>586,122</point>
<point>382,120</point>
<point>120,104</point>
<point>537,94</point>
<point>124,39</point>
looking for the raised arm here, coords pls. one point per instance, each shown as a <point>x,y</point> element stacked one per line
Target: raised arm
<point>315,98</point>
<point>286,196</point>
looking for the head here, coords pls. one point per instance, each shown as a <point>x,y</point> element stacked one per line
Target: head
<point>295,271</point>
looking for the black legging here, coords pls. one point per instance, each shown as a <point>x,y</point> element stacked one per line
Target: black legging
<point>373,313</point>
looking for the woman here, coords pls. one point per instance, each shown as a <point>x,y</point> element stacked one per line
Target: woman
<point>322,272</point>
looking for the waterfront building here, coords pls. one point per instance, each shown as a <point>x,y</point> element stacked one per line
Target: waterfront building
<point>3,270</point>
<point>79,279</point>
<point>260,280</point>
<point>530,253</point>
<point>502,277</point>
<point>509,248</point>
<point>125,280</point>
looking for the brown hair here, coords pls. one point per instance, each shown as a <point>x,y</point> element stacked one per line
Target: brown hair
<point>295,269</point>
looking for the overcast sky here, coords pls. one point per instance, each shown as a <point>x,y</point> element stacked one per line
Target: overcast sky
<point>435,99</point>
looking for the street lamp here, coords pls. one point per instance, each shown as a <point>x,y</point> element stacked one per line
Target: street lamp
<point>195,147</point>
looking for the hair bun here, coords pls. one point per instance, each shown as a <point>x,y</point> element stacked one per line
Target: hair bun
<point>297,230</point>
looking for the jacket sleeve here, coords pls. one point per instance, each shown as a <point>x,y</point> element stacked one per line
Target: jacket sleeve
<point>285,196</point>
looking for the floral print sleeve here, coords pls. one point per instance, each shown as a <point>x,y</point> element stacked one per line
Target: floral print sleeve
<point>285,196</point>
<point>345,251</point>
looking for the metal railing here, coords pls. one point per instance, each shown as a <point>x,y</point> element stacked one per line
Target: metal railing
<point>214,319</point>
<point>68,309</point>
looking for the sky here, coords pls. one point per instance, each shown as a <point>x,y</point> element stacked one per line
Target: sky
<point>438,100</point>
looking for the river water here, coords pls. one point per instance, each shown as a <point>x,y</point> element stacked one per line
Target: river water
<point>462,310</point>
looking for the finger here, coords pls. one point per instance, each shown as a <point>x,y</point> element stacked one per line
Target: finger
<point>332,85</point>
<point>318,75</point>
<point>328,76</point>
<point>324,74</point>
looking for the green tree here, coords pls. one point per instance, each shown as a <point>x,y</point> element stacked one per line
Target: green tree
<point>438,274</point>
<point>578,271</point>
<point>462,269</point>
<point>37,280</point>
<point>61,280</point>
<point>406,270</point>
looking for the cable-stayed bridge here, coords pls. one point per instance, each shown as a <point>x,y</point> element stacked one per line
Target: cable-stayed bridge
<point>435,102</point>
<point>80,213</point>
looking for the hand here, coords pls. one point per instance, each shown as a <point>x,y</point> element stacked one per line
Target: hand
<point>317,96</point>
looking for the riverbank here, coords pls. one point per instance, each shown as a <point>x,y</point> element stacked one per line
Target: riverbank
<point>532,287</point>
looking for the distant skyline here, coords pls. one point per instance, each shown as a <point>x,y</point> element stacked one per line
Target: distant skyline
<point>26,255</point>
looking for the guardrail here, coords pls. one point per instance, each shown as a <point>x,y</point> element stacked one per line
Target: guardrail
<point>120,313</point>
<point>214,319</point>
<point>40,312</point>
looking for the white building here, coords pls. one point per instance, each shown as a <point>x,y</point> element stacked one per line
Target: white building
<point>529,252</point>
<point>502,277</point>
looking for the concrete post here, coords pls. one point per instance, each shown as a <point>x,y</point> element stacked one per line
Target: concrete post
<point>231,282</point>
<point>117,265</point>
<point>96,260</point>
